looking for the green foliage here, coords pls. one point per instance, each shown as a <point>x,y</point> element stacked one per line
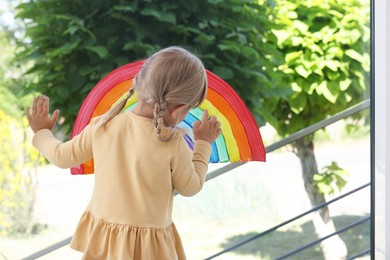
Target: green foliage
<point>18,159</point>
<point>73,44</point>
<point>7,90</point>
<point>326,47</point>
<point>330,179</point>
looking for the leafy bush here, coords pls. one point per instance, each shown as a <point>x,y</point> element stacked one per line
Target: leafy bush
<point>327,55</point>
<point>18,159</point>
<point>74,44</point>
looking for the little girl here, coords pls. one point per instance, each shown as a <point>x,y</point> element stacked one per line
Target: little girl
<point>140,159</point>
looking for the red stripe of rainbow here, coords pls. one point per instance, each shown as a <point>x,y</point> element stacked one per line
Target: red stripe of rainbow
<point>240,140</point>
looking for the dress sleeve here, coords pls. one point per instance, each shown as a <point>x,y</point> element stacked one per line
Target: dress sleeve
<point>189,168</point>
<point>67,154</point>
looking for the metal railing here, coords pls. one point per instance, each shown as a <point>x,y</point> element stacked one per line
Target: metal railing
<point>294,137</point>
<point>257,236</point>
<point>298,135</point>
<point>283,142</point>
<point>341,230</point>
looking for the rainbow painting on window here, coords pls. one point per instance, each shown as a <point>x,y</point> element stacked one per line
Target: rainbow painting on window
<point>240,140</point>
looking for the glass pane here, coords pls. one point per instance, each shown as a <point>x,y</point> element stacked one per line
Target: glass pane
<point>313,62</point>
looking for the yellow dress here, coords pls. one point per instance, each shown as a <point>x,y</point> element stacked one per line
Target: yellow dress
<point>130,212</point>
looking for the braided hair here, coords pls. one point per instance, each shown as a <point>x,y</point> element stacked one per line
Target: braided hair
<point>172,76</point>
<point>169,77</point>
<point>115,110</point>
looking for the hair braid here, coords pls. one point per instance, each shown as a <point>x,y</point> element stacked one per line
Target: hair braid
<point>172,76</point>
<point>112,112</point>
<point>160,108</point>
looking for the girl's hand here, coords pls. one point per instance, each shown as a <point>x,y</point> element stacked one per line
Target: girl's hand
<point>208,129</point>
<point>39,119</point>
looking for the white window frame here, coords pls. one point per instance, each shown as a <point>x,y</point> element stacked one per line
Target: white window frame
<point>381,130</point>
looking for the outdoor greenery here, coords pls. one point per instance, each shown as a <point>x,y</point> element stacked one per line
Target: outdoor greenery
<point>74,45</point>
<point>326,51</point>
<point>18,160</point>
<point>331,179</point>
<point>293,62</point>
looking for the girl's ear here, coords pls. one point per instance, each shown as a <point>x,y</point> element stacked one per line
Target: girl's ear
<point>177,109</point>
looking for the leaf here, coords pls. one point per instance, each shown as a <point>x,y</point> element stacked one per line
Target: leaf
<point>291,56</point>
<point>71,30</point>
<point>322,90</point>
<point>282,36</point>
<point>332,64</point>
<point>298,103</point>
<point>85,70</point>
<point>317,177</point>
<point>348,37</point>
<point>131,7</point>
<point>328,35</point>
<point>250,52</point>
<point>301,26</point>
<point>206,40</point>
<point>228,46</point>
<point>315,48</point>
<point>169,18</point>
<point>161,16</point>
<point>151,12</point>
<point>340,182</point>
<point>334,51</point>
<point>296,40</point>
<point>332,76</point>
<point>223,72</point>
<point>332,91</point>
<point>292,15</point>
<point>325,189</point>
<point>302,71</point>
<point>354,55</point>
<point>295,87</point>
<point>65,48</point>
<point>344,84</point>
<point>98,49</point>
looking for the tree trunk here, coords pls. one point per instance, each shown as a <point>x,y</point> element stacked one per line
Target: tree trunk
<point>333,248</point>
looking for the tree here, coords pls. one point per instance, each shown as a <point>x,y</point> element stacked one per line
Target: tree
<point>74,44</point>
<point>326,47</point>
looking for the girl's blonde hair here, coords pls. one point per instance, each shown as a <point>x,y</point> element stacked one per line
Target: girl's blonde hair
<point>171,76</point>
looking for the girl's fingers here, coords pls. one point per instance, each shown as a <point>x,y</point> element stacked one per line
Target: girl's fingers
<point>45,105</point>
<point>54,116</point>
<point>205,116</point>
<point>196,124</point>
<point>34,106</point>
<point>212,119</point>
<point>28,114</point>
<point>40,104</point>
